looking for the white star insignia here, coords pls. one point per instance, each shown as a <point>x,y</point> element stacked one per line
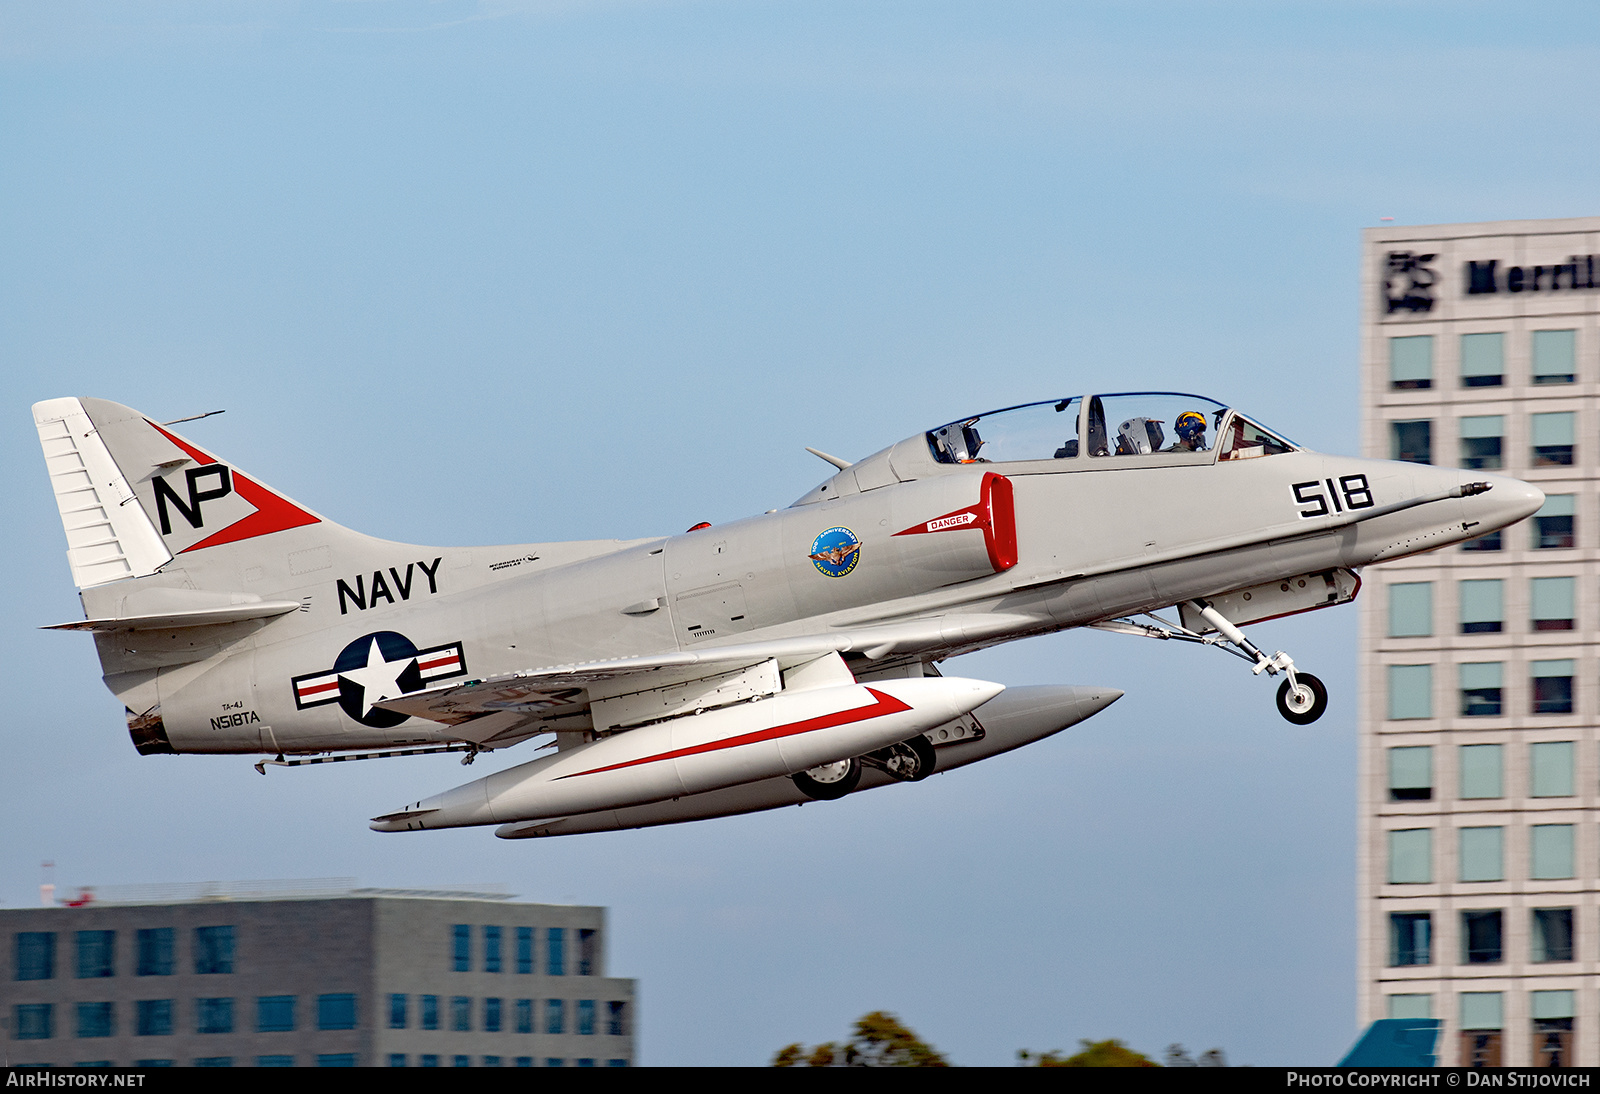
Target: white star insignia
<point>379,679</point>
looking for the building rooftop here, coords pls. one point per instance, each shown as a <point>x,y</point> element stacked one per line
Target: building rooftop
<point>194,892</point>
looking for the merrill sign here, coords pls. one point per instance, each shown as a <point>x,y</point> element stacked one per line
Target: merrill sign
<point>1409,280</point>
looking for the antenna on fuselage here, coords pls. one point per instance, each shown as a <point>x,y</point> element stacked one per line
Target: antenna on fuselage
<point>842,465</point>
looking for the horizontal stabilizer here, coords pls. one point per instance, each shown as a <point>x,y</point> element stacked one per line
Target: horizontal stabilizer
<point>200,617</point>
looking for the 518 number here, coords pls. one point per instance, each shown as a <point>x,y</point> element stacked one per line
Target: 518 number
<point>1351,493</point>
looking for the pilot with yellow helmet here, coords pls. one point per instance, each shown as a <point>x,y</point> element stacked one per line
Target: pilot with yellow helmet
<point>1190,426</point>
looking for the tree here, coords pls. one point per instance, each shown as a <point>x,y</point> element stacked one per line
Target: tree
<point>1112,1053</point>
<point>880,1041</point>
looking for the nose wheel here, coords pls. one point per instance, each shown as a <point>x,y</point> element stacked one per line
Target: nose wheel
<point>1302,699</point>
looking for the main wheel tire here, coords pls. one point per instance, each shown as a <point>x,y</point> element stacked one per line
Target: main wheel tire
<point>1298,708</point>
<point>830,782</point>
<point>928,760</point>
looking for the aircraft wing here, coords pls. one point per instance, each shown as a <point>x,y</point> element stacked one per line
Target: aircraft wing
<point>536,690</point>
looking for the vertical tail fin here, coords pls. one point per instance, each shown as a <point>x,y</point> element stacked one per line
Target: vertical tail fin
<point>133,496</point>
<point>108,536</point>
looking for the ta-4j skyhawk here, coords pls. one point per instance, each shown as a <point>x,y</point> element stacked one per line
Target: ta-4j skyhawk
<point>779,659</point>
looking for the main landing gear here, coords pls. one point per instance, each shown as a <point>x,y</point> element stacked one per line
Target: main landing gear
<point>908,762</point>
<point>1302,698</point>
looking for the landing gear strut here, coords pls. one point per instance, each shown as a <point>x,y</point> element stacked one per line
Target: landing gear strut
<point>1302,698</point>
<point>908,762</point>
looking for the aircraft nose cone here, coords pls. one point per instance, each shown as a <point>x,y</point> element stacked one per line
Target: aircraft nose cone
<point>1507,501</point>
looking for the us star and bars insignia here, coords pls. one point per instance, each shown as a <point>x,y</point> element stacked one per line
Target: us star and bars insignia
<point>375,667</point>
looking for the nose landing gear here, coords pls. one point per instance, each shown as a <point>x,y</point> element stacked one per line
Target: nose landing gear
<point>1302,698</point>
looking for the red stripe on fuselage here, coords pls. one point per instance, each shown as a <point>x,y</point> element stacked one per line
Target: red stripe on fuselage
<point>882,704</point>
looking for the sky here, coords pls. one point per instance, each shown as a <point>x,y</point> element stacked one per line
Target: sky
<point>490,271</point>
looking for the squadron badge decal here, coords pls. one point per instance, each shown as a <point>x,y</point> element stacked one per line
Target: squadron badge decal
<point>374,667</point>
<point>836,552</point>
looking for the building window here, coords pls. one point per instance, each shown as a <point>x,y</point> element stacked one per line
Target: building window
<point>1489,542</point>
<point>1481,937</point>
<point>491,1061</point>
<point>1555,356</point>
<point>461,1061</point>
<point>152,1063</point>
<point>397,1010</point>
<point>36,955</point>
<point>491,949</point>
<point>585,1020</point>
<point>524,949</point>
<point>397,1059</point>
<point>274,1013</point>
<point>213,949</point>
<point>155,951</point>
<point>524,1015</point>
<point>587,939</point>
<point>1482,854</point>
<point>1411,774</point>
<point>556,955</point>
<point>1480,688</point>
<point>460,1013</point>
<point>430,1012</point>
<point>491,1015</point>
<point>429,1059</point>
<point>97,954</point>
<point>1554,601</point>
<point>1410,691</point>
<point>1482,610</point>
<point>1551,934</point>
<point>1481,438</point>
<point>336,1010</point>
<point>1552,1028</point>
<point>1550,769</point>
<point>1483,360</point>
<point>96,1020</point>
<point>34,1022</point>
<point>274,1061</point>
<point>1481,771</point>
<point>524,1061</point>
<point>617,1016</point>
<point>153,1017</point>
<point>461,947</point>
<point>555,1016</point>
<point>1554,435</point>
<point>1411,609</point>
<point>336,1059</point>
<point>1552,687</point>
<point>213,1015</point>
<point>1411,1005</point>
<point>616,1063</point>
<point>213,1061</point>
<point>1410,856</point>
<point>1411,442</point>
<point>1554,525</point>
<point>1550,851</point>
<point>1411,363</point>
<point>1480,1025</point>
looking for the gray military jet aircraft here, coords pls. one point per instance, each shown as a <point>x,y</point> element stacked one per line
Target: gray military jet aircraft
<point>775,660</point>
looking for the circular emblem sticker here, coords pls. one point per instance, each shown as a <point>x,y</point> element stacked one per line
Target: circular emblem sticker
<point>835,552</point>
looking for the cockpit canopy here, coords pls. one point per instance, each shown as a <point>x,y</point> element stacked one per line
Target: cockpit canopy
<point>1187,428</point>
